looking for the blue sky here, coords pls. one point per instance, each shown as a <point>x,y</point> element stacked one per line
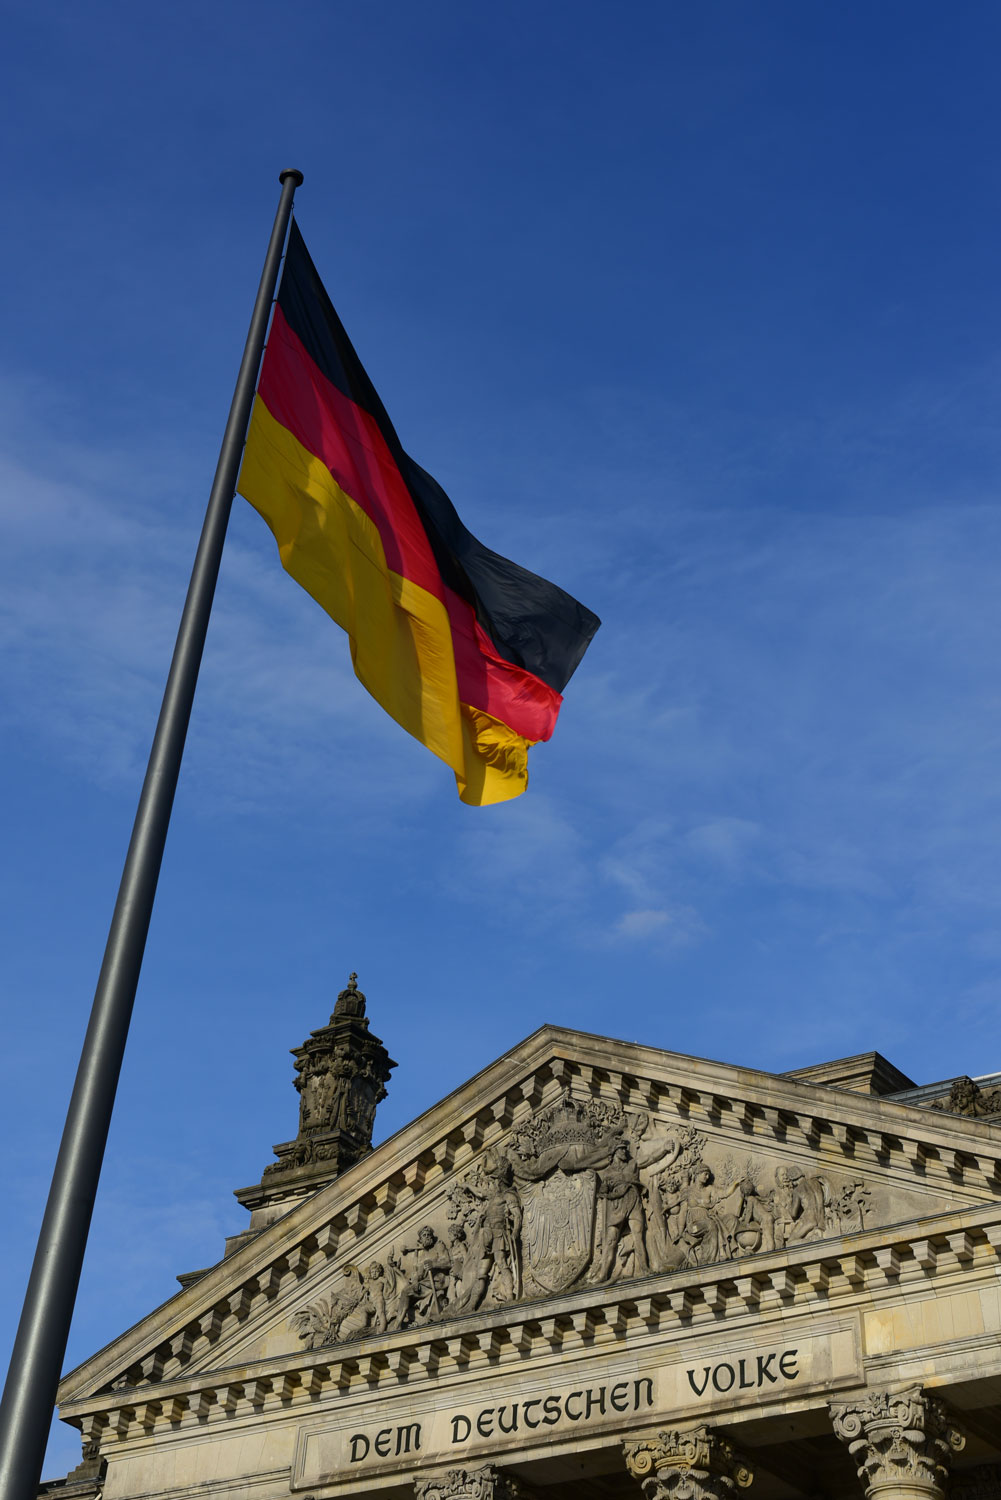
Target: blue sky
<point>692,308</point>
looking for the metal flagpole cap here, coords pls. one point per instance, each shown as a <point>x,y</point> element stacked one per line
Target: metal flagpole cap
<point>292,172</point>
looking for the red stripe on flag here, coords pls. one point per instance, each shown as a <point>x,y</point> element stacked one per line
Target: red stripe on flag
<point>518,698</point>
<point>348,442</point>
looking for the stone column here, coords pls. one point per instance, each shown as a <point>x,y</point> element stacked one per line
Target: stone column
<point>902,1442</point>
<point>485,1483</point>
<point>695,1465</point>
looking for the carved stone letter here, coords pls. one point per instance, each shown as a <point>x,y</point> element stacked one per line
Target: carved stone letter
<point>902,1442</point>
<point>694,1465</point>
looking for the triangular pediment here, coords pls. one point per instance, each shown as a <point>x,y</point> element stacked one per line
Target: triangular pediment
<point>574,1165</point>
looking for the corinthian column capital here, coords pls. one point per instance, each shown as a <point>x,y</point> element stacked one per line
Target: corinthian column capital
<point>902,1442</point>
<point>695,1465</point>
<point>483,1483</point>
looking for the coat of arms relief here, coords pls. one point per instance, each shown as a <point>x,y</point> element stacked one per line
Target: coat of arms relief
<point>584,1194</point>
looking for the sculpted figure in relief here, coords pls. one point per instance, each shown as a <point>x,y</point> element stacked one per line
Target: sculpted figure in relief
<point>490,1237</point>
<point>654,1146</point>
<point>306,1089</point>
<point>361,1305</point>
<point>656,1149</point>
<point>324,1085</point>
<point>849,1209</point>
<point>380,1288</point>
<point>338,1091</point>
<point>692,1221</point>
<point>754,1223</point>
<point>666,1181</point>
<point>465,1262</point>
<point>621,1216</point>
<point>966,1097</point>
<point>799,1206</point>
<point>424,1288</point>
<point>703,1221</point>
<point>337,1094</point>
<point>671,1192</point>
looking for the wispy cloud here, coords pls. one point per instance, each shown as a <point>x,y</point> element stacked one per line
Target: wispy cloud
<point>92,588</point>
<point>671,926</point>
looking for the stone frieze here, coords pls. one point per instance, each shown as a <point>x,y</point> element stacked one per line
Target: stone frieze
<point>582,1195</point>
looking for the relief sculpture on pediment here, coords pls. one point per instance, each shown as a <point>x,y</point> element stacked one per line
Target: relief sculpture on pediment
<point>720,1215</point>
<point>486,1217</point>
<point>366,1302</point>
<point>583,1194</point>
<point>332,1320</point>
<point>558,1237</point>
<point>578,1180</point>
<point>423,1275</point>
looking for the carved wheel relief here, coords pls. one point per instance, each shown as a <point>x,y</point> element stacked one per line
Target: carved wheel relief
<point>582,1195</point>
<point>904,1436</point>
<point>695,1465</point>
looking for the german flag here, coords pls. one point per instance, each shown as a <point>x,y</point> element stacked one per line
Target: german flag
<point>466,650</point>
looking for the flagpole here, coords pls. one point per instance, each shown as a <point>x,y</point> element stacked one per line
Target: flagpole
<point>30,1391</point>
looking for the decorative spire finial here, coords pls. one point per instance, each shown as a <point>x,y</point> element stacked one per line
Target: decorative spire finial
<point>351,1001</point>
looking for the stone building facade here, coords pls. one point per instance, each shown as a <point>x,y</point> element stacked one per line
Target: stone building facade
<point>596,1270</point>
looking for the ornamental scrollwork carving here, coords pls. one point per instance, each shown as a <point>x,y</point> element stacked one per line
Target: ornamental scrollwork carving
<point>699,1464</point>
<point>341,1072</point>
<point>486,1483</point>
<point>583,1194</point>
<point>898,1436</point>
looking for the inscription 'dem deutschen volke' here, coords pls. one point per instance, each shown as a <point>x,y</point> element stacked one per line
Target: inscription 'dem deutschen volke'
<point>587,1405</point>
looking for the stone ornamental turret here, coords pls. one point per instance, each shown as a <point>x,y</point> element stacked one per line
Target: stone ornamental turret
<point>341,1074</point>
